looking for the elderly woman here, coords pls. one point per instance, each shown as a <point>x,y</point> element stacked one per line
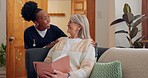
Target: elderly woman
<point>79,48</point>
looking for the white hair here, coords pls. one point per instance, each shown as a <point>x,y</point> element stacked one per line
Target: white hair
<point>84,32</point>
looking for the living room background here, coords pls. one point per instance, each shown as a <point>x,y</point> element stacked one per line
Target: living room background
<point>106,12</point>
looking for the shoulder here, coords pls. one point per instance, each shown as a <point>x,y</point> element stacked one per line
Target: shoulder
<point>63,38</point>
<point>53,26</point>
<point>29,29</point>
<point>87,41</point>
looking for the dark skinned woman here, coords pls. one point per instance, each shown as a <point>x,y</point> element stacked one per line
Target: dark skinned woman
<point>42,33</point>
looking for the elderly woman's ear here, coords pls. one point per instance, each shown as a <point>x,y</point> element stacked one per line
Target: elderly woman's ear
<point>80,27</point>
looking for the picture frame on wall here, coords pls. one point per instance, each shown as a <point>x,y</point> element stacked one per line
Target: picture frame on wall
<point>79,6</point>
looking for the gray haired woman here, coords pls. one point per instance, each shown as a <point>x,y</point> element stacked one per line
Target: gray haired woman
<point>77,46</point>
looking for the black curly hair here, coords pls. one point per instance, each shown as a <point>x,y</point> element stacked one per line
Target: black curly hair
<point>30,10</point>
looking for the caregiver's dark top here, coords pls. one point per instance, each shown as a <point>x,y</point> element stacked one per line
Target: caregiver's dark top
<point>32,39</point>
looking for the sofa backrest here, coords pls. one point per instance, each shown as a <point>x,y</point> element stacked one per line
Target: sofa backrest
<point>39,54</point>
<point>134,61</point>
<point>99,51</point>
<point>35,54</point>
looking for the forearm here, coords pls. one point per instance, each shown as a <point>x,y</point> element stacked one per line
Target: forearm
<point>48,60</point>
<point>84,71</point>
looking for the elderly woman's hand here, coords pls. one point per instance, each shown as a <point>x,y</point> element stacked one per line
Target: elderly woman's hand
<point>57,74</point>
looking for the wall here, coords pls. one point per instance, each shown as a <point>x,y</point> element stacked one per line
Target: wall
<point>102,23</point>
<point>3,21</point>
<point>136,9</point>
<point>106,12</point>
<point>111,28</point>
<point>60,6</point>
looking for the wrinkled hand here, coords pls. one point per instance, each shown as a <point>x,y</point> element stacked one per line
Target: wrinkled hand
<point>52,44</point>
<point>57,75</point>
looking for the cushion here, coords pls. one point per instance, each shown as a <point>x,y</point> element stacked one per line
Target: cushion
<point>107,70</point>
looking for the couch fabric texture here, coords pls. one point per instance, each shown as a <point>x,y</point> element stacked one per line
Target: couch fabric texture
<point>134,61</point>
<point>39,54</point>
<point>35,54</point>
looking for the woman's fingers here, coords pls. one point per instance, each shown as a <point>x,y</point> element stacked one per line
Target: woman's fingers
<point>60,74</point>
<point>57,72</point>
<point>48,74</point>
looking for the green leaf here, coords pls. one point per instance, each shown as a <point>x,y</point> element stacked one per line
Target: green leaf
<point>133,32</point>
<point>117,21</point>
<point>128,17</point>
<point>138,21</point>
<point>121,31</point>
<point>3,46</point>
<point>128,38</point>
<point>139,30</point>
<point>2,54</point>
<point>136,16</point>
<point>127,8</point>
<point>137,43</point>
<point>138,39</point>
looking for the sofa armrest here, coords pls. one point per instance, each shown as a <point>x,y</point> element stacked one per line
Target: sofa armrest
<point>133,60</point>
<point>34,54</point>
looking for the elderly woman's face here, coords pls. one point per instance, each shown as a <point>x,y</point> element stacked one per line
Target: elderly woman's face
<point>73,28</point>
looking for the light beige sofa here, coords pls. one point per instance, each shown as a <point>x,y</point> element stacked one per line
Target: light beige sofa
<point>134,61</point>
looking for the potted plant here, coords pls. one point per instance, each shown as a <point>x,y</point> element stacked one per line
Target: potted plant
<point>132,22</point>
<point>2,55</point>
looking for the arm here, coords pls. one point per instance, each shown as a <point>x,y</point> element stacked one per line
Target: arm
<point>27,40</point>
<point>51,44</point>
<point>59,32</point>
<point>86,65</point>
<point>50,54</point>
<point>48,58</point>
